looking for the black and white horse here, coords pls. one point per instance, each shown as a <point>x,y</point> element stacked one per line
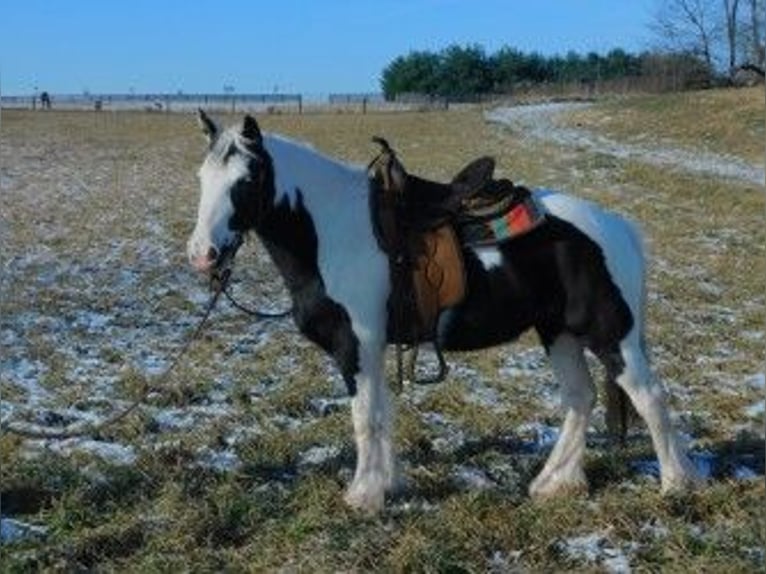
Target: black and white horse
<point>578,281</point>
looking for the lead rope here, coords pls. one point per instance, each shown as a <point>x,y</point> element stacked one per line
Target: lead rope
<point>257,313</point>
<point>218,285</point>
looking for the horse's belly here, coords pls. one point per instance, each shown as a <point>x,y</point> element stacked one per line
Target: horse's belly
<point>492,313</point>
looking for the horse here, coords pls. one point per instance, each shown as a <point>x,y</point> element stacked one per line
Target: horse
<point>578,281</point>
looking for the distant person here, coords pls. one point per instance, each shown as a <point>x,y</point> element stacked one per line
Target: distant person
<point>45,101</point>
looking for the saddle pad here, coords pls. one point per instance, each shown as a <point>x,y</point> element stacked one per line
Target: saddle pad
<point>518,220</point>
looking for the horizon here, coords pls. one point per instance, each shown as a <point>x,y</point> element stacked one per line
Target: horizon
<point>298,47</point>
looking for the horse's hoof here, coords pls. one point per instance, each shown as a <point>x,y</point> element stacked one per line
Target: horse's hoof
<point>686,482</point>
<point>544,487</point>
<point>365,500</point>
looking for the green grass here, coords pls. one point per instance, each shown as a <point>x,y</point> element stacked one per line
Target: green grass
<point>166,513</point>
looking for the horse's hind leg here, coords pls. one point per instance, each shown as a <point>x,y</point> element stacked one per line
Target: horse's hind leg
<point>629,367</point>
<point>563,470</point>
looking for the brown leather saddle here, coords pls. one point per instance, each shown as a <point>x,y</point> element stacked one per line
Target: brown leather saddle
<point>422,226</point>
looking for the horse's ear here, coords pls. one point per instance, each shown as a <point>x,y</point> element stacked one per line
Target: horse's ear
<point>207,125</point>
<point>475,175</point>
<point>250,130</point>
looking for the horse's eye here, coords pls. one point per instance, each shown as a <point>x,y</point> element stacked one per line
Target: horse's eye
<point>237,194</point>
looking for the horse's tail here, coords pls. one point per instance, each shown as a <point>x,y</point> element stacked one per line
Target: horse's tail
<point>620,412</point>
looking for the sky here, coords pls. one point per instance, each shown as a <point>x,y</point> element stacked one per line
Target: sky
<point>286,46</point>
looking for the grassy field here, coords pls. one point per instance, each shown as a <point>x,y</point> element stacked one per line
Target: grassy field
<point>240,461</point>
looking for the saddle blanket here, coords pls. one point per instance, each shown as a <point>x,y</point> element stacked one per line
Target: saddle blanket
<point>518,219</point>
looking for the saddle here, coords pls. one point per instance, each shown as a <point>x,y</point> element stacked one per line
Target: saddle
<point>423,226</point>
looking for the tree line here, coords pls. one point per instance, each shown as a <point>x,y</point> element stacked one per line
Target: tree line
<point>466,72</point>
<point>697,43</point>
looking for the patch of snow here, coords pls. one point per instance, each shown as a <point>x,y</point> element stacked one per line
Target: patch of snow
<point>756,554</point>
<point>318,455</point>
<point>756,410</point>
<point>408,506</point>
<point>185,418</point>
<point>218,460</point>
<point>450,437</point>
<point>26,374</point>
<point>543,436</point>
<point>704,461</point>
<point>12,530</point>
<point>91,321</point>
<point>485,396</point>
<point>502,562</point>
<point>753,335</point>
<point>523,363</point>
<point>114,453</point>
<point>742,472</point>
<point>595,549</point>
<point>655,529</point>
<point>65,417</point>
<point>284,422</point>
<point>538,121</point>
<point>323,407</point>
<point>471,478</point>
<point>646,467</point>
<point>756,382</point>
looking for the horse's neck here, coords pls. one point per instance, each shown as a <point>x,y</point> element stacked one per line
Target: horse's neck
<point>312,193</point>
<point>300,169</point>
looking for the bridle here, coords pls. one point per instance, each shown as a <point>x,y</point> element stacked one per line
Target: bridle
<point>220,281</point>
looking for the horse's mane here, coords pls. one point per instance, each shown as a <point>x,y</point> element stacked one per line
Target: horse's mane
<point>301,158</point>
<point>228,141</point>
<point>307,151</point>
<point>231,140</point>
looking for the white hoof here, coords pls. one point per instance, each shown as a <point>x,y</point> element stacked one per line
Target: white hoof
<point>549,485</point>
<point>365,498</point>
<point>686,481</point>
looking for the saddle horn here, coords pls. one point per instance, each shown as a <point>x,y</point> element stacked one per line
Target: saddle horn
<point>383,143</point>
<point>387,168</point>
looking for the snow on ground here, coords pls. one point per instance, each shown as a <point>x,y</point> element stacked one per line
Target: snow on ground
<point>12,531</point>
<point>597,549</point>
<point>114,453</point>
<point>120,305</point>
<point>538,121</point>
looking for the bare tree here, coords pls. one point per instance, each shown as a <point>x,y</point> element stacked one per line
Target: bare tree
<point>755,44</point>
<point>730,8</point>
<point>691,26</point>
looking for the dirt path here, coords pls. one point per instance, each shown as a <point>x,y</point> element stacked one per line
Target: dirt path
<point>539,121</point>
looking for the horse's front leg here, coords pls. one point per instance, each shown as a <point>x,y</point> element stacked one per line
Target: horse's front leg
<point>371,411</point>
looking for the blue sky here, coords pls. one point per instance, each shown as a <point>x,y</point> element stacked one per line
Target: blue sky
<point>311,47</point>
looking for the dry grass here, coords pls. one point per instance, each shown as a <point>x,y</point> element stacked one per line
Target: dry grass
<point>723,121</point>
<point>95,212</point>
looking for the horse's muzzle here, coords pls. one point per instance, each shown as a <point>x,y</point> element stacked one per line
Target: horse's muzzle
<point>217,260</point>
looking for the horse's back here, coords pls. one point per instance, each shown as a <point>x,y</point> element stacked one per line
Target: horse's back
<point>620,240</point>
<point>581,271</point>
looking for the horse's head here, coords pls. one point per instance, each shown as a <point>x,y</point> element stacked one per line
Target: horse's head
<point>236,171</point>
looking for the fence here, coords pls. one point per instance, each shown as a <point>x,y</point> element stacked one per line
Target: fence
<point>671,80</point>
<point>163,102</point>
